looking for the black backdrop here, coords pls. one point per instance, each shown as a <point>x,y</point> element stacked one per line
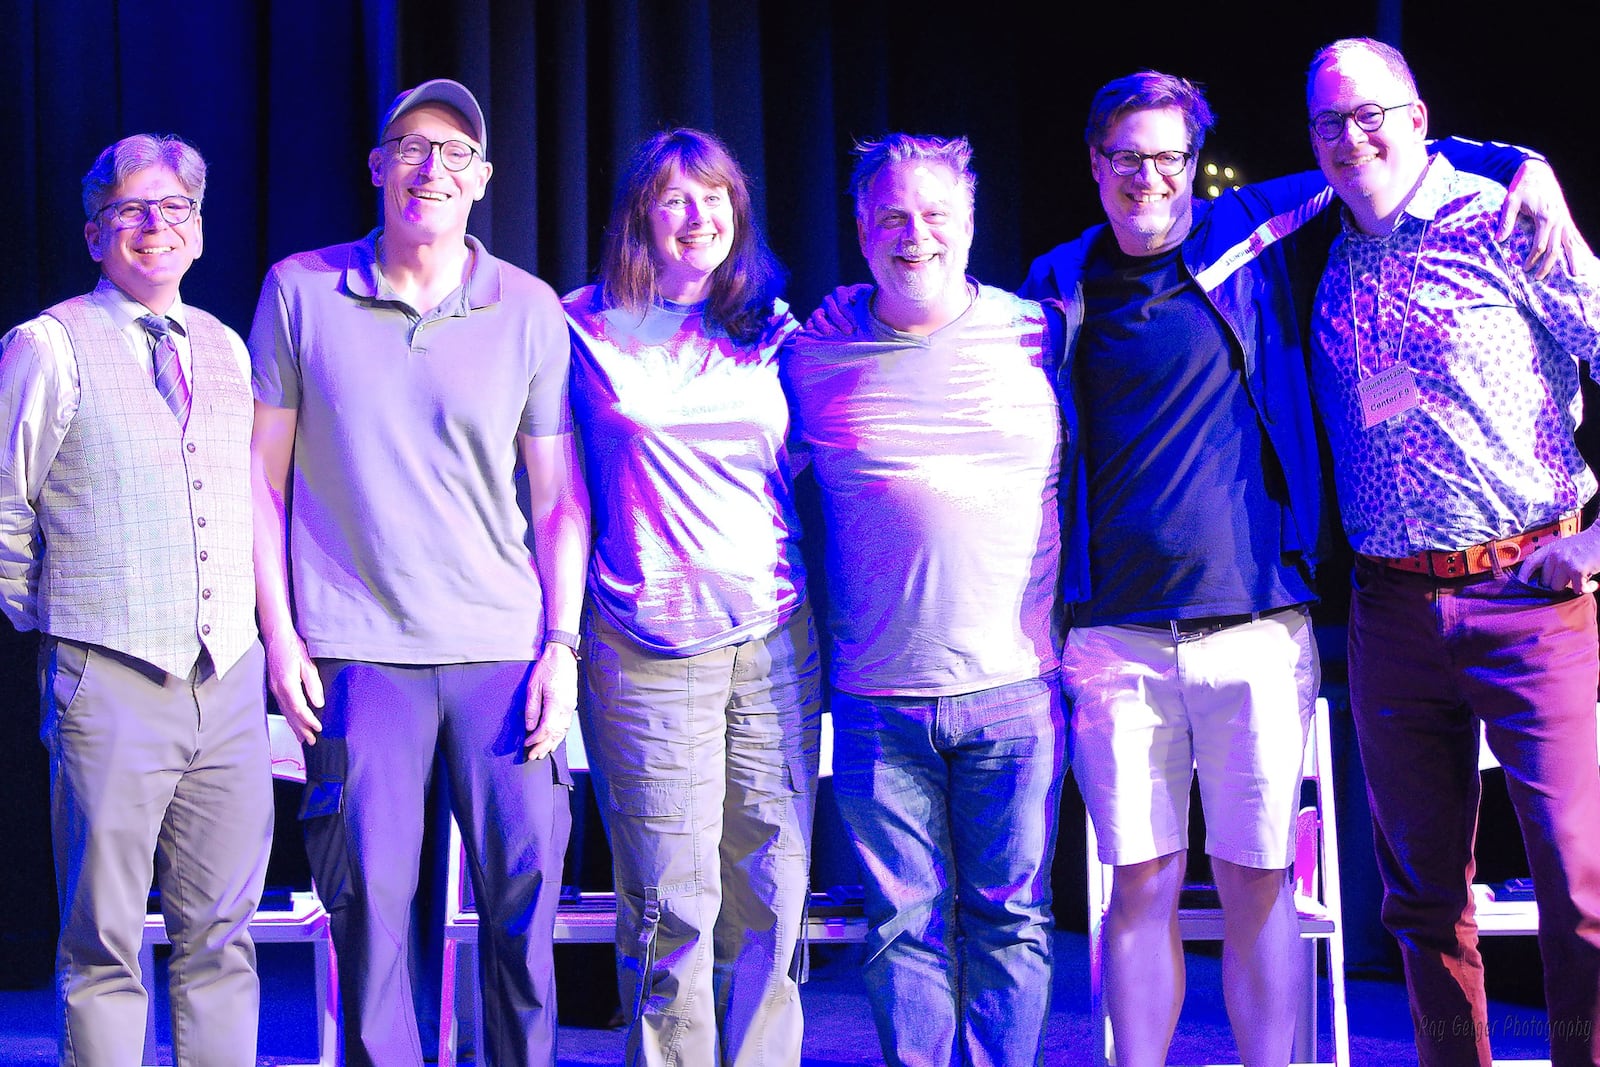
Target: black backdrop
<point>281,97</point>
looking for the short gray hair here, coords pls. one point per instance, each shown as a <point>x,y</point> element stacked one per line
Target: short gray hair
<point>953,152</point>
<point>135,153</point>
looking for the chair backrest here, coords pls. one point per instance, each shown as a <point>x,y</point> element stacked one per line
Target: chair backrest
<point>1317,830</point>
<point>458,899</point>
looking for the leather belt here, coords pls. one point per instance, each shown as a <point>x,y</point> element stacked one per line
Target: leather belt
<point>1481,559</point>
<point>1206,625</point>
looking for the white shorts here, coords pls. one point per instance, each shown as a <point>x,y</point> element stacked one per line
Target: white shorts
<point>1149,711</point>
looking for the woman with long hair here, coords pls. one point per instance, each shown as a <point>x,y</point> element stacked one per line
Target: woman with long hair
<point>702,700</point>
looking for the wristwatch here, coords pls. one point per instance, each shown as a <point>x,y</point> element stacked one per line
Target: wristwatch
<point>563,637</point>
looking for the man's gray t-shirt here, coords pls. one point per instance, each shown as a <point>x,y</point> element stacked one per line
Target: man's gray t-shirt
<point>938,460</point>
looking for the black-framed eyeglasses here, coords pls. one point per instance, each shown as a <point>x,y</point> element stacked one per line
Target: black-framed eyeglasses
<point>1127,162</point>
<point>175,210</point>
<point>1329,125</point>
<point>414,149</point>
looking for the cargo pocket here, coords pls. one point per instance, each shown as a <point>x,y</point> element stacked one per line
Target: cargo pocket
<point>322,820</point>
<point>559,766</point>
<point>802,771</point>
<point>649,827</point>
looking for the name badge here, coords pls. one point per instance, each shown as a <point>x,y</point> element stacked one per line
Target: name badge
<point>1387,394</point>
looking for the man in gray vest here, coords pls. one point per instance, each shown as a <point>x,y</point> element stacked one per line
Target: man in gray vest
<point>125,536</point>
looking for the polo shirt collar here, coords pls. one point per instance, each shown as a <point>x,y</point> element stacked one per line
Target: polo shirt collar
<point>364,280</point>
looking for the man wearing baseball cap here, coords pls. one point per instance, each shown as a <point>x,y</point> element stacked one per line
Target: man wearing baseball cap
<point>405,383</point>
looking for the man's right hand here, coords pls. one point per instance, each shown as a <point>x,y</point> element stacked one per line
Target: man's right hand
<point>295,684</point>
<point>1535,196</point>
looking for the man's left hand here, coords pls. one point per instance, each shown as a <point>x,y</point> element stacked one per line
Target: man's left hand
<point>552,699</point>
<point>1535,195</point>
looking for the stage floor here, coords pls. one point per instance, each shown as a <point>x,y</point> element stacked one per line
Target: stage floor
<point>839,1030</point>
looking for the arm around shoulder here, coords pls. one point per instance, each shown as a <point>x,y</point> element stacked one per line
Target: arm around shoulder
<point>832,318</point>
<point>1532,194</point>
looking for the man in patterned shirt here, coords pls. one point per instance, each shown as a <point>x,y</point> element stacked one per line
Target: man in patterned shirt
<point>1448,378</point>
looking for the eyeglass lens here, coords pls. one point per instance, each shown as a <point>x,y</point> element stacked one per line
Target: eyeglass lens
<point>414,149</point>
<point>175,210</point>
<point>1369,118</point>
<point>1167,163</point>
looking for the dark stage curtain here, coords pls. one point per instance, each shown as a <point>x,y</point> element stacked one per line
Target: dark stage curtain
<point>281,96</point>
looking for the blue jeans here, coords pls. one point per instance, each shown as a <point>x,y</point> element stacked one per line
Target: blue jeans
<point>951,803</point>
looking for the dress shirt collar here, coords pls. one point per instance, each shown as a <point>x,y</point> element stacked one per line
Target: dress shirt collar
<point>125,310</point>
<point>1424,205</point>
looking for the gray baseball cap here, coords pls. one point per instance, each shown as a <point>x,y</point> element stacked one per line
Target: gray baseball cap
<point>452,94</point>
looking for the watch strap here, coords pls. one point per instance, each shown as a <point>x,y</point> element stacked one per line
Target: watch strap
<point>563,637</point>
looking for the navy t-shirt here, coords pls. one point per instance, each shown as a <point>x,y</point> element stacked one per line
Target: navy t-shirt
<point>1181,524</point>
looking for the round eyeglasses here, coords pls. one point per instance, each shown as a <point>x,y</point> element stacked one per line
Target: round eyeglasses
<point>1329,125</point>
<point>1126,162</point>
<point>175,210</point>
<point>414,149</point>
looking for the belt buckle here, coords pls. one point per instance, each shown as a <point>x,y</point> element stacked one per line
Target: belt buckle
<point>1182,633</point>
<point>1497,564</point>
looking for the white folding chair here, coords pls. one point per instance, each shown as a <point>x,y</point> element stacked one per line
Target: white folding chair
<point>460,954</point>
<point>304,922</point>
<point>1316,876</point>
<point>591,919</point>
<point>458,986</point>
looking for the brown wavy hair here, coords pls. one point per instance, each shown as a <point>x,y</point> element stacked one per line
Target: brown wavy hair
<point>1144,91</point>
<point>743,287</point>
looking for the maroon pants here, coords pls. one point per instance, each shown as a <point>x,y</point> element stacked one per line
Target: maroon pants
<point>1429,660</point>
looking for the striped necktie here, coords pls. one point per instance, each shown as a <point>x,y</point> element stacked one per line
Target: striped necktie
<point>169,372</point>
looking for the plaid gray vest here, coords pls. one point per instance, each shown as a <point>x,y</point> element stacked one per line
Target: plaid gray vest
<point>146,526</point>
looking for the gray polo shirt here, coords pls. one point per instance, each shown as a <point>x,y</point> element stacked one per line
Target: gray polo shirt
<point>408,536</point>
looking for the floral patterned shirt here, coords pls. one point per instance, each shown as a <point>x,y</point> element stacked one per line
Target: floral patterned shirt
<point>1448,377</point>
